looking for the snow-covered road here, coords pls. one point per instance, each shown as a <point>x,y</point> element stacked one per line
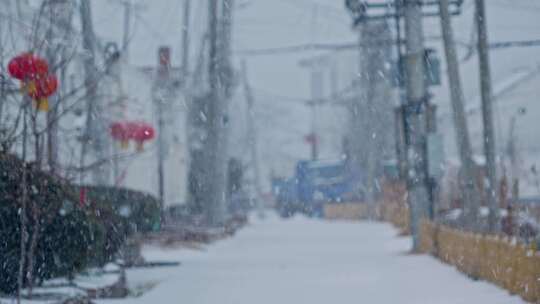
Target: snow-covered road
<point>308,261</point>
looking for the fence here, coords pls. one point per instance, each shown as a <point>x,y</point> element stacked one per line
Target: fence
<point>514,267</point>
<point>393,206</point>
<point>346,211</point>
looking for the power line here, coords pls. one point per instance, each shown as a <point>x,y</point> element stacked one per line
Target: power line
<point>354,45</point>
<point>519,6</point>
<point>511,44</point>
<point>302,48</point>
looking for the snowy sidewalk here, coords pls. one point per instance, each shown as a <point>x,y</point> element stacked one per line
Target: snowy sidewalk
<point>305,261</point>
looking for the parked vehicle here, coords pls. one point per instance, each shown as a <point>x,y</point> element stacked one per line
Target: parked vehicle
<point>314,184</point>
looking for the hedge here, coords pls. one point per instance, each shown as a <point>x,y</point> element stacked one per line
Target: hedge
<point>74,236</point>
<point>140,211</point>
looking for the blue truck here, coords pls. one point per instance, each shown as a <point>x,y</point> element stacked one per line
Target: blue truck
<point>315,183</point>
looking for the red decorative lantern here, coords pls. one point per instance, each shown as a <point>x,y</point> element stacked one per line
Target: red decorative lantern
<point>33,72</point>
<point>131,129</point>
<point>120,133</point>
<point>40,89</point>
<point>27,66</point>
<point>139,132</point>
<point>16,68</point>
<point>142,133</point>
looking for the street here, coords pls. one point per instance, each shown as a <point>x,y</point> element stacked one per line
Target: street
<point>137,139</point>
<point>308,261</point>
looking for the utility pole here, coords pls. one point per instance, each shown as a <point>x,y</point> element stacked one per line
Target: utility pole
<point>215,169</point>
<point>487,114</point>
<point>192,116</point>
<point>417,101</point>
<point>221,81</point>
<point>252,139</point>
<point>226,72</point>
<point>471,199</point>
<point>186,39</point>
<point>161,95</point>
<point>197,124</point>
<point>128,7</point>
<point>316,73</point>
<point>317,87</point>
<point>513,153</point>
<point>59,18</point>
<point>115,61</point>
<point>376,102</point>
<point>227,80</point>
<point>93,132</point>
<point>160,156</point>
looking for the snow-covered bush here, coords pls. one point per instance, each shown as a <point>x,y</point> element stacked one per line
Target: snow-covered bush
<point>69,236</point>
<point>139,211</point>
<point>65,235</point>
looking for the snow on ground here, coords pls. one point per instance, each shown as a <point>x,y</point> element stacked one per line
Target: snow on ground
<point>309,261</point>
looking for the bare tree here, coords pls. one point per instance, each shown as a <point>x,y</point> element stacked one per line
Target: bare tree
<point>52,36</point>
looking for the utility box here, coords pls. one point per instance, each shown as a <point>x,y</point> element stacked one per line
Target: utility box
<point>432,69</point>
<point>435,155</point>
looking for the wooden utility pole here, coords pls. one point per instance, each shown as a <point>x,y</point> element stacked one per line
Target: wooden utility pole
<point>471,199</point>
<point>215,178</point>
<point>487,114</point>
<point>417,101</point>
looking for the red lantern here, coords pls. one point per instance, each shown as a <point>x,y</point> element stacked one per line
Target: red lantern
<point>33,72</point>
<point>142,133</point>
<point>131,129</point>
<point>40,89</point>
<point>27,66</point>
<point>16,68</point>
<point>120,133</point>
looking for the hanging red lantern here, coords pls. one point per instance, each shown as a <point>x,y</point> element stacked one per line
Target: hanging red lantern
<point>40,89</point>
<point>16,68</point>
<point>142,133</point>
<point>33,72</point>
<point>27,66</point>
<point>119,132</point>
<point>131,128</point>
